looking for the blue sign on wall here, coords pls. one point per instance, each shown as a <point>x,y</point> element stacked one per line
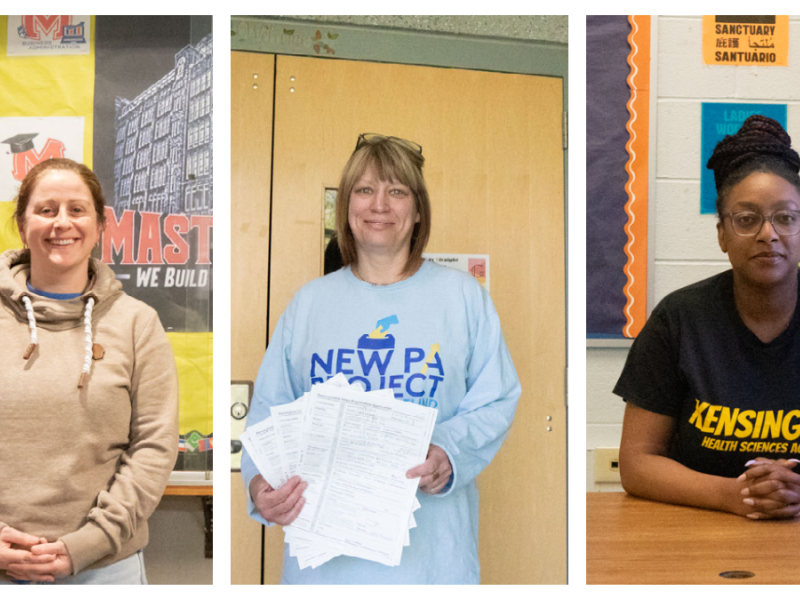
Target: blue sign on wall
<point>721,119</point>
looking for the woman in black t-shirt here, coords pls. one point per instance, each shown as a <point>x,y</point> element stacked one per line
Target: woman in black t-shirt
<point>712,383</point>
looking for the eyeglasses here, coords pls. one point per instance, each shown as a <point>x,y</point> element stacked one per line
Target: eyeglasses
<point>366,138</point>
<point>748,224</point>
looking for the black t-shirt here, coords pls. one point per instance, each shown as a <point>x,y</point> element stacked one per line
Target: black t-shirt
<point>734,397</point>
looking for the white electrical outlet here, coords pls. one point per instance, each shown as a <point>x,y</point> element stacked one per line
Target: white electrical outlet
<point>606,465</point>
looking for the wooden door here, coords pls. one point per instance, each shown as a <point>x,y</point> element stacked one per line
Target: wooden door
<point>251,148</point>
<point>494,167</point>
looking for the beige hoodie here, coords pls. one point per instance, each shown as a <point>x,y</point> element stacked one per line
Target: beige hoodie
<point>85,465</point>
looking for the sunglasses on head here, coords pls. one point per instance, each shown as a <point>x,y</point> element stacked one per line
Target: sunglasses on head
<point>366,138</point>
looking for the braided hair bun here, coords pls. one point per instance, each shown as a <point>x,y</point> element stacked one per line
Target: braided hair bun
<point>760,145</point>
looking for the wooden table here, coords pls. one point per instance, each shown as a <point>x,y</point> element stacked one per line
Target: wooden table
<point>630,540</point>
<point>189,490</point>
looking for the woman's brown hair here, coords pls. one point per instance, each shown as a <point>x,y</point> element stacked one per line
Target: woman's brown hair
<point>36,174</point>
<point>394,160</point>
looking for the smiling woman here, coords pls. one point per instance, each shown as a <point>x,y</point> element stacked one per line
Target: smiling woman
<point>383,219</point>
<point>83,466</point>
<point>711,383</point>
<point>60,221</point>
<point>381,216</point>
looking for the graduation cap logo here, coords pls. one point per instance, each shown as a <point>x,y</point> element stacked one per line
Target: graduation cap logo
<point>25,156</point>
<point>21,142</point>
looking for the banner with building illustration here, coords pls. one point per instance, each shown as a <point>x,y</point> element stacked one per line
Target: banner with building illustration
<point>130,96</point>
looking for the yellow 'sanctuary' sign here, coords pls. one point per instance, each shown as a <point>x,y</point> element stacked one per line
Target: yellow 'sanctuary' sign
<point>755,41</point>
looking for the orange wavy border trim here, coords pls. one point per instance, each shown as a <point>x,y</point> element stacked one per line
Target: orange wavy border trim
<point>638,146</point>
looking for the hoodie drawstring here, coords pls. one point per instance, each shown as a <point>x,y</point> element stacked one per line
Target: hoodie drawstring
<point>32,326</point>
<point>87,327</point>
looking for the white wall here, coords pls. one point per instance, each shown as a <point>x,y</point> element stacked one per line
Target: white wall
<point>683,243</point>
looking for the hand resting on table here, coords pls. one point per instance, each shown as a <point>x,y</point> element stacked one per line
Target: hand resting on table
<point>772,488</point>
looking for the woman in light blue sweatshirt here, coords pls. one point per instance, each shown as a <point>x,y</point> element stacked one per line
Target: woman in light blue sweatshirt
<point>389,319</point>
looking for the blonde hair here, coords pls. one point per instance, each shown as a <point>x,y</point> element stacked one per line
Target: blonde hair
<point>394,160</point>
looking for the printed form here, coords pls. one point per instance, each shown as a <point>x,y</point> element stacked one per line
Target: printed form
<point>261,445</point>
<point>353,448</point>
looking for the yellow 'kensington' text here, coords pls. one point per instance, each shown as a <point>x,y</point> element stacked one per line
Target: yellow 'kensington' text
<point>763,424</point>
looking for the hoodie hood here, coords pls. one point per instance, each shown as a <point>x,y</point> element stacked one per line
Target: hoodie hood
<point>55,315</point>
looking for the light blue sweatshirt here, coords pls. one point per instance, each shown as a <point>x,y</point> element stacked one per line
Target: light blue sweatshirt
<point>434,339</point>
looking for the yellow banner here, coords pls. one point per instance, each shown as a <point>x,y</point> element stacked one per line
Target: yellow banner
<point>44,86</point>
<point>756,41</point>
<point>9,236</point>
<point>194,357</point>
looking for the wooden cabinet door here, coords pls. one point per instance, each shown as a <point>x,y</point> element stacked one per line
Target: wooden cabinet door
<point>251,148</point>
<point>494,167</point>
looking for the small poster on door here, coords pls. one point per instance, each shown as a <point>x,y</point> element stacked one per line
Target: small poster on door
<point>476,265</point>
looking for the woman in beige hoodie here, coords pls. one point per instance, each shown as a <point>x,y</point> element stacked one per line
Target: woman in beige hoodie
<point>88,395</point>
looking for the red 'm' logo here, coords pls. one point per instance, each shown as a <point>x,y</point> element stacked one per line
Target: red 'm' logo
<point>25,161</point>
<point>50,27</point>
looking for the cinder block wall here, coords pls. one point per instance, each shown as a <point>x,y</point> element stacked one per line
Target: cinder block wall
<point>683,243</point>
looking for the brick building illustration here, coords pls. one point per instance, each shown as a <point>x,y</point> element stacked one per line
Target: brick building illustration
<point>163,151</point>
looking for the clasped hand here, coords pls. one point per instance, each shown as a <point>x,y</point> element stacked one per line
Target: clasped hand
<point>27,558</point>
<point>772,489</point>
<point>282,506</point>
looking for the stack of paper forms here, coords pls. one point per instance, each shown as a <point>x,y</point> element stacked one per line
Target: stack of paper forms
<point>353,448</point>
